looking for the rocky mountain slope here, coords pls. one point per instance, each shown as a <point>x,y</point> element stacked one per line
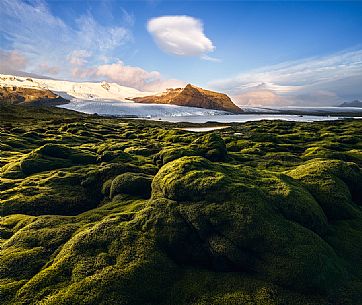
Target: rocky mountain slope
<point>29,96</point>
<point>192,96</point>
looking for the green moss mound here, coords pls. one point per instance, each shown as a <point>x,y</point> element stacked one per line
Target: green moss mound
<point>295,203</point>
<point>190,178</point>
<point>141,151</point>
<point>210,146</point>
<point>114,156</point>
<point>335,184</point>
<point>263,212</point>
<point>52,156</point>
<point>241,231</point>
<point>131,183</point>
<point>60,193</point>
<point>49,157</point>
<point>169,154</point>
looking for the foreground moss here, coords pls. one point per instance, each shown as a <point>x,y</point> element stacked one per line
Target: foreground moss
<point>130,212</point>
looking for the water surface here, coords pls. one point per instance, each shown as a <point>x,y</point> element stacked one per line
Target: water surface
<point>241,118</point>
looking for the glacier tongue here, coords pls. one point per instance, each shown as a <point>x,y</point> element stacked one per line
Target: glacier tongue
<point>136,109</point>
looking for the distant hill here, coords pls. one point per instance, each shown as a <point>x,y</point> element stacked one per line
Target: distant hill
<point>29,96</point>
<point>191,96</point>
<point>355,103</point>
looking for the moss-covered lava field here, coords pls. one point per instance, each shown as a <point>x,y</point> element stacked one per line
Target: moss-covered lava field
<point>109,211</point>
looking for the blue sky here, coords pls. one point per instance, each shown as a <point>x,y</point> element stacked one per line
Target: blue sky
<point>259,52</point>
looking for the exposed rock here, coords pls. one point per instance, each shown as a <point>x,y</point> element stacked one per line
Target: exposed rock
<point>29,96</point>
<point>105,85</point>
<point>192,96</point>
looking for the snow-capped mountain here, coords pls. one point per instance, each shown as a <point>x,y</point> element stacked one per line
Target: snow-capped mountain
<point>79,90</point>
<point>103,98</point>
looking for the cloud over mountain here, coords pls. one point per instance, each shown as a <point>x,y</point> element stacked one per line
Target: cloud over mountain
<point>323,80</point>
<point>125,75</point>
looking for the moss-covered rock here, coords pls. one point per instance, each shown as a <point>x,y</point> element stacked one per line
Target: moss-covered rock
<point>266,223</point>
<point>63,152</point>
<point>114,156</point>
<point>106,187</point>
<point>169,154</point>
<point>334,184</point>
<point>60,193</point>
<point>190,178</point>
<point>295,203</point>
<point>49,157</point>
<point>135,184</point>
<point>140,151</point>
<point>211,146</point>
<point>229,225</point>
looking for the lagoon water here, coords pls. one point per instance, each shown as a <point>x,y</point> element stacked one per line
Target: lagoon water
<point>241,118</point>
<point>204,129</point>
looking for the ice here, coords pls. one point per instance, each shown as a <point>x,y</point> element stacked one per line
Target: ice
<point>96,91</point>
<point>115,108</point>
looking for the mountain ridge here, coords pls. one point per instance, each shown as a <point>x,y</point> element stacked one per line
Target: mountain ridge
<point>192,96</point>
<point>355,103</point>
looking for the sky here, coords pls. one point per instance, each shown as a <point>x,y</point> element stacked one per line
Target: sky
<point>260,53</point>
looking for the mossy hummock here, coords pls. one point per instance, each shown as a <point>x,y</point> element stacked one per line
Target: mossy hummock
<point>108,211</point>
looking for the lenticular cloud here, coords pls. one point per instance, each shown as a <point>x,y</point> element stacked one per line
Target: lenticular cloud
<point>180,35</point>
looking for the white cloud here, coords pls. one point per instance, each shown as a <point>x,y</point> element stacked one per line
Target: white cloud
<point>162,84</point>
<point>78,57</point>
<point>45,44</point>
<point>92,35</point>
<point>180,35</point>
<point>127,17</point>
<point>48,69</point>
<point>259,98</point>
<point>130,76</point>
<point>31,29</point>
<point>210,58</point>
<point>127,75</point>
<point>312,81</point>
